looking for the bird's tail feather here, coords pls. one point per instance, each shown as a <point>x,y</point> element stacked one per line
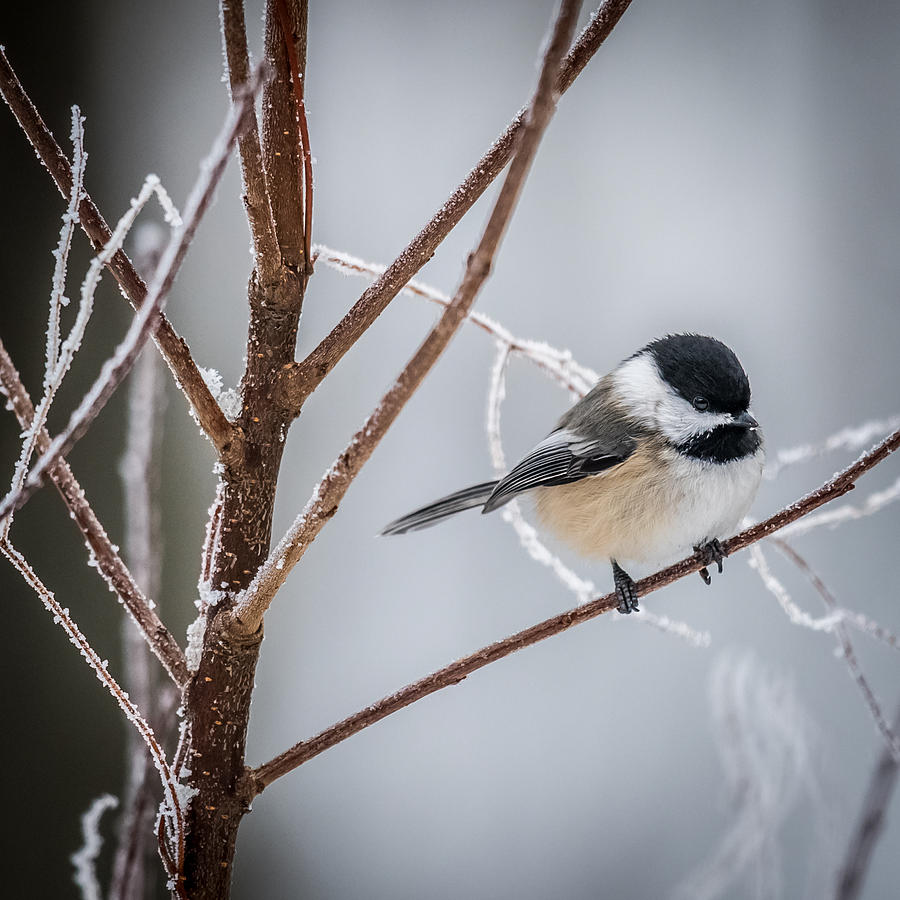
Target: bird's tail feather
<point>426,516</point>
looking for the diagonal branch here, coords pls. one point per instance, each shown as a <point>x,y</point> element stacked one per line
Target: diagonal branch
<point>376,298</point>
<point>172,812</point>
<point>176,352</point>
<point>253,176</point>
<point>454,673</point>
<point>250,608</point>
<point>119,365</point>
<point>109,563</point>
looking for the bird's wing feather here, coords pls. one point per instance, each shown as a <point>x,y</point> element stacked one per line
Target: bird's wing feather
<point>561,458</point>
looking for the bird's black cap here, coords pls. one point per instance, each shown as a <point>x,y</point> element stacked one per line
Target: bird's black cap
<point>699,366</point>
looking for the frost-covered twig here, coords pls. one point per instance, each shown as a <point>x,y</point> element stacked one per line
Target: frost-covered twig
<point>104,555</point>
<point>831,623</point>
<point>117,367</point>
<point>173,807</point>
<point>174,348</point>
<point>853,438</point>
<point>456,671</point>
<point>70,220</point>
<point>847,512</point>
<point>870,824</point>
<point>528,537</point>
<point>558,364</point>
<point>764,738</point>
<point>65,354</point>
<point>251,605</point>
<point>85,858</point>
<point>57,301</point>
<point>376,298</point>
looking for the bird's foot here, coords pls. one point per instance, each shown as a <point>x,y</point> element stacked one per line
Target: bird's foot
<point>625,590</point>
<point>712,552</point>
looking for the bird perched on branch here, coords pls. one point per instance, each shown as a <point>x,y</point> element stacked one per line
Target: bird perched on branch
<point>660,458</point>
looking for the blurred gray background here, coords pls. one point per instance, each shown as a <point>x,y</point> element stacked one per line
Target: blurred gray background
<point>723,167</point>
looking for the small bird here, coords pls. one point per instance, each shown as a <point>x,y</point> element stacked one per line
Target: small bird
<point>661,457</point>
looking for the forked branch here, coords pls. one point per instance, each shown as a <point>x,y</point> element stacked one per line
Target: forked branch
<point>250,608</point>
<point>253,176</point>
<point>300,753</point>
<point>376,298</point>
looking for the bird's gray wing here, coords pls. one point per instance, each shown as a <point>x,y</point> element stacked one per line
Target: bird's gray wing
<point>561,458</point>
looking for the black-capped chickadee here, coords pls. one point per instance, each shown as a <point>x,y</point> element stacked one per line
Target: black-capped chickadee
<point>660,458</point>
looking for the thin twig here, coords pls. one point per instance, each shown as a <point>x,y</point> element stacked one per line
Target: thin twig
<point>870,824</point>
<point>65,353</point>
<point>376,298</point>
<point>55,366</point>
<point>253,176</point>
<point>252,604</point>
<point>174,814</point>
<point>178,356</point>
<point>109,563</point>
<point>458,670</point>
<point>117,367</point>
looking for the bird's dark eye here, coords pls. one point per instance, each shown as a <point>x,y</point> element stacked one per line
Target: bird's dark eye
<point>701,403</point>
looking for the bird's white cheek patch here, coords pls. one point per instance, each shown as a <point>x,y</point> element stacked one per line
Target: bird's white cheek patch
<point>650,399</point>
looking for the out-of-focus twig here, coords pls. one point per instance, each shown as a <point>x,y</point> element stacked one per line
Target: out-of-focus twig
<point>870,824</point>
<point>143,549</point>
<point>85,858</point>
<point>211,418</point>
<point>848,651</point>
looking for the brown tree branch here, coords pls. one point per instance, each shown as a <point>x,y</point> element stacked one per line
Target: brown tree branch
<point>256,193</point>
<point>376,298</point>
<point>281,148</point>
<point>454,673</point>
<point>146,319</point>
<point>176,352</point>
<point>297,73</point>
<point>250,608</point>
<point>109,563</point>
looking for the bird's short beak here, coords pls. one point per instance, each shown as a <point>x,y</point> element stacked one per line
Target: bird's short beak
<point>745,420</point>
